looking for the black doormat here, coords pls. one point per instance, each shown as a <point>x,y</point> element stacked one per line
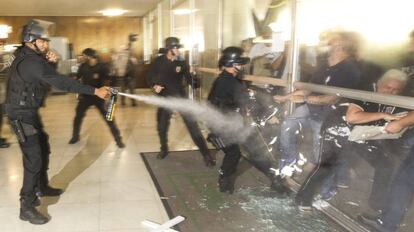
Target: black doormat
<point>188,188</point>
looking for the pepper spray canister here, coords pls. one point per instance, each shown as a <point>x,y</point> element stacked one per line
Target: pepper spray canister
<point>110,111</point>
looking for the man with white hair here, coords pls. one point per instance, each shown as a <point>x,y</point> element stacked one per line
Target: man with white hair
<point>334,141</point>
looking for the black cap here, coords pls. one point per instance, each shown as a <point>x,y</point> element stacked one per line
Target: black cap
<point>90,52</point>
<point>231,56</point>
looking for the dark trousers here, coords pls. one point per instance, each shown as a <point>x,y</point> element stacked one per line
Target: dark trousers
<point>127,84</point>
<point>400,194</point>
<point>83,105</point>
<point>36,152</point>
<point>329,160</point>
<point>231,159</point>
<point>163,123</point>
<point>256,153</point>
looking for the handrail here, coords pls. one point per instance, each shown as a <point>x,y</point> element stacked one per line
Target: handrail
<point>387,99</point>
<point>253,78</point>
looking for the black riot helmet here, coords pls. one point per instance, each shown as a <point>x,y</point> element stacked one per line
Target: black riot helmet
<point>90,52</point>
<point>34,30</point>
<point>172,42</point>
<point>232,56</point>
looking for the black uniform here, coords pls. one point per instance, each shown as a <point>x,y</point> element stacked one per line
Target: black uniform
<point>94,76</point>
<point>229,94</point>
<point>28,83</point>
<point>170,75</point>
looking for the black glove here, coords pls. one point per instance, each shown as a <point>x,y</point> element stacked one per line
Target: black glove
<point>216,141</point>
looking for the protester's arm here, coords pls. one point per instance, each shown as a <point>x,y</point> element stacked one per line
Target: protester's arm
<point>356,115</point>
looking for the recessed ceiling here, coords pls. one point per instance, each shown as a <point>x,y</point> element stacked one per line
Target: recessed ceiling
<point>73,7</point>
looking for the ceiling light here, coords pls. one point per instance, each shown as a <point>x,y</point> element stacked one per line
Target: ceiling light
<point>112,12</point>
<point>183,11</point>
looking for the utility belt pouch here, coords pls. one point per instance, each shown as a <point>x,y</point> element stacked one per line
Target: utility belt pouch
<point>18,130</point>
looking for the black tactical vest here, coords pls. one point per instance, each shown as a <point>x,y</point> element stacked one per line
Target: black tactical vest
<point>22,93</point>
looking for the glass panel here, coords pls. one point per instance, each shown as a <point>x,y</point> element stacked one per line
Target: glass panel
<point>261,27</point>
<point>206,40</point>
<point>181,29</point>
<point>165,7</point>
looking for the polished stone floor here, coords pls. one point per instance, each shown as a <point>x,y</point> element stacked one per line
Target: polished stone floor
<point>107,188</point>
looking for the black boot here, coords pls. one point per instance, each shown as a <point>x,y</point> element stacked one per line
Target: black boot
<point>49,192</point>
<point>74,140</point>
<point>30,213</point>
<point>280,186</point>
<point>226,184</point>
<point>162,154</point>
<point>120,144</point>
<point>4,143</point>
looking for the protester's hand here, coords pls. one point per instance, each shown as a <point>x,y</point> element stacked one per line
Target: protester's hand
<point>279,98</point>
<point>393,127</point>
<point>52,57</point>
<point>158,88</point>
<point>102,92</point>
<point>391,117</point>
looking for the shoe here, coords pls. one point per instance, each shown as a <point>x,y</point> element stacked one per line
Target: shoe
<point>279,185</point>
<point>74,140</point>
<point>33,216</point>
<point>120,144</point>
<point>226,184</point>
<point>162,154</point>
<point>327,196</point>
<point>49,192</point>
<point>29,213</point>
<point>4,143</point>
<point>372,222</point>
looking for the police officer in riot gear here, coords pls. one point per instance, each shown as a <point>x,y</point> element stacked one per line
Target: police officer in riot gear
<point>30,75</point>
<point>165,76</point>
<point>229,93</point>
<point>95,74</point>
